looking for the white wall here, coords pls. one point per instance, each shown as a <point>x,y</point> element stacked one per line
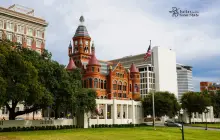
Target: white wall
<point>133,112</point>
<point>29,123</point>
<point>164,61</point>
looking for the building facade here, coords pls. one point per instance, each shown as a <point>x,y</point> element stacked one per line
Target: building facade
<point>212,87</point>
<point>110,80</point>
<point>146,69</point>
<point>184,79</point>
<point>157,73</point>
<point>18,24</point>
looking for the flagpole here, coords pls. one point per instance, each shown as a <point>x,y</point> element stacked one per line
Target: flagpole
<point>153,107</point>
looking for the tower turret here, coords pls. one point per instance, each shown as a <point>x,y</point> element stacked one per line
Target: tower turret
<point>93,64</point>
<point>70,49</point>
<point>81,43</point>
<point>71,65</point>
<point>135,77</point>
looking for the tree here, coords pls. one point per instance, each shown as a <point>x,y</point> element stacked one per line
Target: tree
<point>19,81</point>
<point>195,102</point>
<point>165,104</point>
<point>215,99</point>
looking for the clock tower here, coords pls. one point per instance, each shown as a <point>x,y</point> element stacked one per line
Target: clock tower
<point>81,52</point>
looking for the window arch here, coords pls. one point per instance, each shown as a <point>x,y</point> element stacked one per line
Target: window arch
<point>90,82</point>
<point>105,84</point>
<point>135,88</point>
<point>95,83</point>
<point>114,85</point>
<point>125,86</point>
<point>102,84</point>
<point>119,85</point>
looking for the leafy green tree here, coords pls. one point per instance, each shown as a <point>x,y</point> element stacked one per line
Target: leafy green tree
<point>195,102</point>
<point>20,82</point>
<point>165,104</point>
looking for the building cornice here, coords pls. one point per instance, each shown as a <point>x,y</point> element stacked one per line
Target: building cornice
<point>22,16</point>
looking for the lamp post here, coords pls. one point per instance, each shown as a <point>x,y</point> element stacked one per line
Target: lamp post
<point>206,111</point>
<point>181,114</point>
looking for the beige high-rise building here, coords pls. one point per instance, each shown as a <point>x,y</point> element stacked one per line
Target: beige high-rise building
<point>18,24</point>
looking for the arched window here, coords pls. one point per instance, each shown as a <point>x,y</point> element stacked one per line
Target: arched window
<point>114,85</point>
<point>135,88</point>
<point>120,85</point>
<point>90,82</point>
<point>130,88</point>
<point>96,83</point>
<point>101,84</point>
<point>105,84</point>
<point>115,94</point>
<point>125,86</point>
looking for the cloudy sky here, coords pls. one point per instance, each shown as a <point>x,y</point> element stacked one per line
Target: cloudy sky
<point>122,28</point>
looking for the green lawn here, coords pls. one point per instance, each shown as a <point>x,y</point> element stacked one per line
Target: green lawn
<point>141,133</point>
<point>209,125</point>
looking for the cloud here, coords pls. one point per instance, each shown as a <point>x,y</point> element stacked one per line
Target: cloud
<point>122,28</point>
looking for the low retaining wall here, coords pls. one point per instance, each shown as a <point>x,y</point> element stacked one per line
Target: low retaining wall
<point>30,123</point>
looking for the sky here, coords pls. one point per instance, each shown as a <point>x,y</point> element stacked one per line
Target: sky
<point>123,28</point>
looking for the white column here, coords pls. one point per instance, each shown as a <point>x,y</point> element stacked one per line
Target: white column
<point>127,112</point>
<point>121,113</point>
<point>97,115</point>
<point>114,111</point>
<point>133,111</point>
<point>106,112</point>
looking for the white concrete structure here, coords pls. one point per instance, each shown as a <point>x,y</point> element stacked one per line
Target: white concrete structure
<point>30,123</point>
<point>196,117</point>
<point>164,62</point>
<point>184,78</point>
<point>4,113</point>
<point>116,112</point>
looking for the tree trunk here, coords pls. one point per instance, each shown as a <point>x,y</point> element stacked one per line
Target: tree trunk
<point>12,115</point>
<point>56,112</point>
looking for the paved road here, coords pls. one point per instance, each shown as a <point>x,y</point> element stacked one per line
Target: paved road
<point>191,127</point>
<point>202,128</point>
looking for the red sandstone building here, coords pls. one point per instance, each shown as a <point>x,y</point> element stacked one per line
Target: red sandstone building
<point>111,81</point>
<point>209,86</point>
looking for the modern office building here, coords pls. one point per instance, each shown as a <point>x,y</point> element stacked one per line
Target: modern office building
<point>18,24</point>
<point>184,79</point>
<point>213,87</point>
<point>158,72</point>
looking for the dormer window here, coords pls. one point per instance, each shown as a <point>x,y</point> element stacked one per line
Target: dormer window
<point>93,69</point>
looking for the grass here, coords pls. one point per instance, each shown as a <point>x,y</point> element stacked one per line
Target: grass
<point>208,125</point>
<point>141,133</point>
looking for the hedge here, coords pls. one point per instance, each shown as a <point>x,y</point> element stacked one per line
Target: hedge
<point>34,128</point>
<point>117,125</point>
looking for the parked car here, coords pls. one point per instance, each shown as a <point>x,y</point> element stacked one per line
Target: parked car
<point>18,118</point>
<point>172,124</point>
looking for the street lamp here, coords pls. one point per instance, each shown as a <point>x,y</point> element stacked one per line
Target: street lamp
<point>181,114</point>
<point>206,111</point>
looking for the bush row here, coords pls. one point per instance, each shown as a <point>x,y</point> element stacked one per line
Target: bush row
<point>117,125</point>
<point>58,127</point>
